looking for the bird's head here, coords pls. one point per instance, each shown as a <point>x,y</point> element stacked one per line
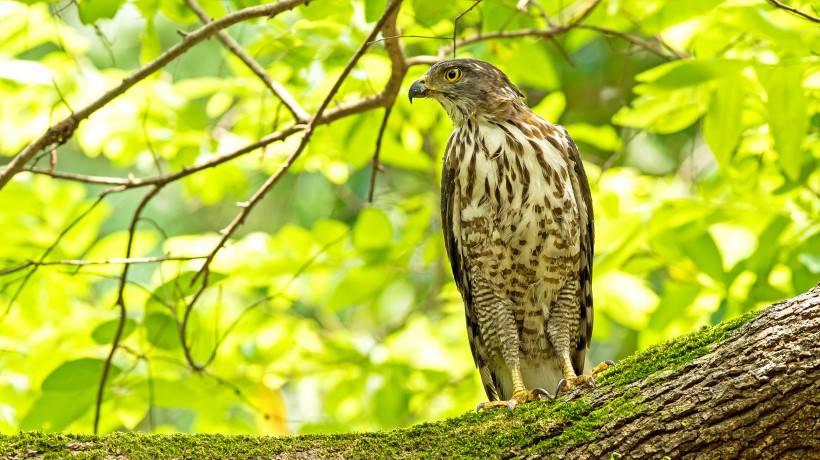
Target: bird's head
<point>468,88</point>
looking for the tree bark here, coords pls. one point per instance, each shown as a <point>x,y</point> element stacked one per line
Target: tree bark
<point>755,395</point>
<point>747,388</point>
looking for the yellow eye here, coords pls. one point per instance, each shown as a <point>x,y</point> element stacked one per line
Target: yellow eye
<point>453,75</point>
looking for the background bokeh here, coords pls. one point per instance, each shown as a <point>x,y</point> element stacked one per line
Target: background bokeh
<point>697,121</point>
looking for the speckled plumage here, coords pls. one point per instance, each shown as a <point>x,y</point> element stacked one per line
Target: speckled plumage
<point>518,226</point>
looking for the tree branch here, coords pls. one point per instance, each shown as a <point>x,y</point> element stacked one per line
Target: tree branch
<point>83,263</point>
<point>120,302</point>
<point>247,206</point>
<point>278,90</point>
<point>59,133</point>
<point>746,388</point>
<point>377,166</point>
<point>795,11</point>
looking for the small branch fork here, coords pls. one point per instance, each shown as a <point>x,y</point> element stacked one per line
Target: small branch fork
<point>794,11</point>
<point>247,207</point>
<point>62,131</point>
<point>303,123</point>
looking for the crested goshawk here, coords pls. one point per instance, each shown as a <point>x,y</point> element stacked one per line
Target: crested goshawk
<point>517,217</point>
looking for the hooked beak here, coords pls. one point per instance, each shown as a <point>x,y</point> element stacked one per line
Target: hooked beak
<point>417,89</point>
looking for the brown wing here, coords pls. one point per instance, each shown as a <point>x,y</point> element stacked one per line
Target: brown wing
<point>587,235</point>
<point>461,273</point>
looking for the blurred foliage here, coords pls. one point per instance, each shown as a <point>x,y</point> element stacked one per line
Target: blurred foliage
<point>327,313</point>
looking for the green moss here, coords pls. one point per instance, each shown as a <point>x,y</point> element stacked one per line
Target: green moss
<point>538,429</point>
<point>673,354</point>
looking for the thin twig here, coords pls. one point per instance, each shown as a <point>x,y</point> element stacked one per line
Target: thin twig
<point>276,88</point>
<point>51,247</point>
<point>63,130</point>
<point>247,206</point>
<point>281,291</point>
<point>432,37</point>
<point>111,261</point>
<point>455,24</point>
<point>795,11</point>
<point>637,41</point>
<point>120,302</point>
<point>377,166</point>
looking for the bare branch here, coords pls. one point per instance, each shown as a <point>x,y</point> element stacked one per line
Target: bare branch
<point>246,207</point>
<point>455,24</point>
<point>63,130</point>
<point>377,166</point>
<point>48,250</point>
<point>795,11</point>
<point>635,40</point>
<point>295,109</point>
<point>132,229</point>
<point>548,33</point>
<point>111,261</point>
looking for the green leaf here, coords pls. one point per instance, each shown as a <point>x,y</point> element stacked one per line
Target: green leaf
<point>757,23</point>
<point>150,47</point>
<point>359,285</point>
<point>372,230</point>
<point>787,104</point>
<point>811,261</point>
<point>373,9</point>
<point>183,285</point>
<point>148,8</point>
<point>104,333</point>
<point>551,107</point>
<point>162,331</point>
<point>77,375</point>
<point>673,12</point>
<point>722,125</point>
<point>680,74</point>
<point>391,400</point>
<point>54,411</point>
<point>668,112</point>
<point>601,137</point>
<point>705,254</point>
<point>626,299</point>
<point>93,10</point>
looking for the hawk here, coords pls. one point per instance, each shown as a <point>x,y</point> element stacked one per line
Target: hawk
<point>516,212</point>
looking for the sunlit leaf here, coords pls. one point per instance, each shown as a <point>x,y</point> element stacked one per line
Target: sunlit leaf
<point>92,10</point>
<point>373,9</point>
<point>722,124</point>
<point>551,107</point>
<point>77,375</point>
<point>625,299</point>
<point>787,105</point>
<point>105,332</point>
<point>705,254</point>
<point>602,137</point>
<point>372,230</point>
<point>679,74</point>
<point>162,331</point>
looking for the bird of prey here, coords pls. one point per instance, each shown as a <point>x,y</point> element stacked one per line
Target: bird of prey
<point>517,218</point>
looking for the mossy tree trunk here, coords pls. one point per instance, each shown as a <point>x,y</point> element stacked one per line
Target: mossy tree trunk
<point>747,388</point>
<point>755,394</point>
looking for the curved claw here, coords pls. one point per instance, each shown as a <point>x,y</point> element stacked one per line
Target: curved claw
<point>561,384</point>
<point>542,392</point>
<point>511,405</point>
<point>609,362</point>
<point>479,407</point>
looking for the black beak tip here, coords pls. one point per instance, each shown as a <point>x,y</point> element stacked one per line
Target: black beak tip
<point>417,89</point>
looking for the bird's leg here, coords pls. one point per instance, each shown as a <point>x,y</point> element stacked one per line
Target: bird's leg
<point>509,344</point>
<point>561,329</point>
<point>520,394</point>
